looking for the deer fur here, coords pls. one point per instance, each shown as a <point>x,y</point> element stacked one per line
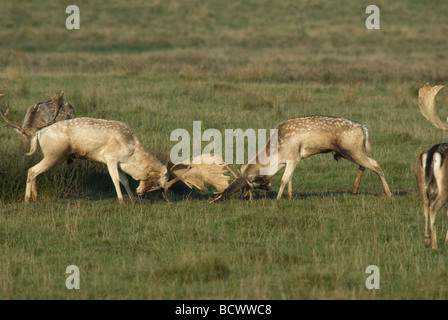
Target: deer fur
<point>114,144</point>
<point>303,137</point>
<point>110,142</point>
<point>105,141</point>
<point>431,168</point>
<point>431,172</point>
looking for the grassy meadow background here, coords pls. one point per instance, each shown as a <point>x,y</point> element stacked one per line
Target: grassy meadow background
<point>159,66</point>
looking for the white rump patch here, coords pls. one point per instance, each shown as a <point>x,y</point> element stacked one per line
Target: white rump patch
<point>437,169</point>
<point>424,158</point>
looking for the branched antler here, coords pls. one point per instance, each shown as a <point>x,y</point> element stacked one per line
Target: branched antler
<point>57,100</point>
<point>9,123</point>
<point>426,103</point>
<point>202,169</point>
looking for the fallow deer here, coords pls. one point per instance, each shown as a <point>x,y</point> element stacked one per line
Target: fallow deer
<point>431,168</point>
<point>41,113</point>
<point>303,137</point>
<point>114,144</point>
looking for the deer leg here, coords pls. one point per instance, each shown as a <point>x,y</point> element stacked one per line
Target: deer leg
<point>432,225</point>
<point>365,161</point>
<point>33,173</point>
<point>290,189</point>
<point>358,179</point>
<point>446,237</point>
<point>34,190</point>
<point>421,186</point>
<point>124,180</point>
<point>426,213</point>
<point>113,171</point>
<point>433,209</point>
<point>287,175</point>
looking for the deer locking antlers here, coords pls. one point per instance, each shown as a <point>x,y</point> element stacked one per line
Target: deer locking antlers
<point>114,144</point>
<point>303,137</point>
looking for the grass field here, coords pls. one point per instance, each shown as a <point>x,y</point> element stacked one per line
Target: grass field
<point>159,66</point>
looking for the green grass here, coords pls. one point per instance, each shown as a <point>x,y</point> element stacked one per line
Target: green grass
<point>316,248</point>
<point>161,65</point>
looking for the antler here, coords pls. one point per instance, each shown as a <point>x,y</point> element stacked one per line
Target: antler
<point>57,99</point>
<point>209,169</point>
<point>426,96</point>
<point>7,111</point>
<point>238,184</point>
<point>9,123</point>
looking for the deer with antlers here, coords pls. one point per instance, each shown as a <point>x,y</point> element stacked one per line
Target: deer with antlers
<point>41,113</point>
<point>431,167</point>
<point>114,144</point>
<point>303,137</point>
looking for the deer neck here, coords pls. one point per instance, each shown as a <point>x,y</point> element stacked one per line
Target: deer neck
<point>140,163</point>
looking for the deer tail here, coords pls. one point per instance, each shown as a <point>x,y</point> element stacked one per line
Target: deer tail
<point>33,146</point>
<point>367,146</point>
